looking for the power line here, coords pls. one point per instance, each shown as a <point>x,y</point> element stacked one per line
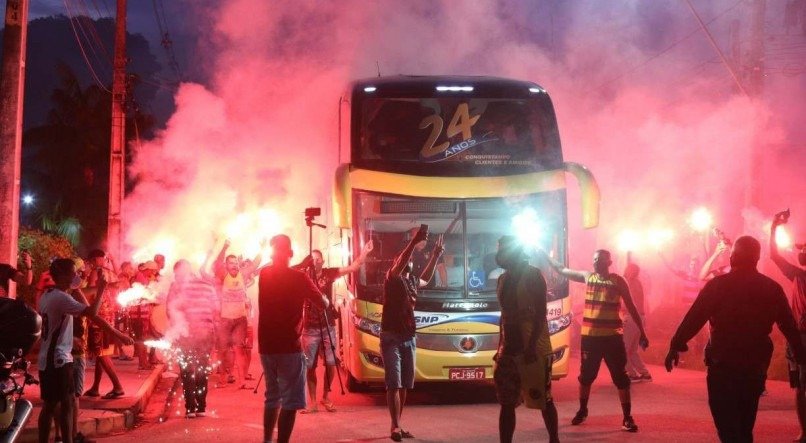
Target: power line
<point>665,50</point>
<point>83,52</point>
<point>167,43</point>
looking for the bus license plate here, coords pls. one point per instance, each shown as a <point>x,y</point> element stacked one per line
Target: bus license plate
<point>466,373</point>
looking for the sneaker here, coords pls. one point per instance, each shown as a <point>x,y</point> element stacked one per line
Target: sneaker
<point>646,377</point>
<point>190,415</point>
<point>201,414</point>
<point>629,425</point>
<point>579,417</point>
<point>635,377</point>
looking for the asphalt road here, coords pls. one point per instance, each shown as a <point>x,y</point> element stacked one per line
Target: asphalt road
<point>672,408</point>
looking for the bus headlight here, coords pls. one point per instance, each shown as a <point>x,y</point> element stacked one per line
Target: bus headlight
<point>558,324</point>
<point>367,325</point>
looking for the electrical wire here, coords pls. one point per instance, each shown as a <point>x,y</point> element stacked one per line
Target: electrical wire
<point>167,44</point>
<point>665,50</point>
<point>83,52</point>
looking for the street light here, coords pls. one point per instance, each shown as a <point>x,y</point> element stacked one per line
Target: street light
<point>28,199</point>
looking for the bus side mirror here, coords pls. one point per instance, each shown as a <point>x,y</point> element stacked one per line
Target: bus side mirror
<point>590,194</point>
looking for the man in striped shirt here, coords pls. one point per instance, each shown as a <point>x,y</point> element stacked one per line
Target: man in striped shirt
<point>602,332</point>
<point>193,306</point>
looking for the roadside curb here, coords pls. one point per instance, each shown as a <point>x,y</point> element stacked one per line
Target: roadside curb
<point>116,415</point>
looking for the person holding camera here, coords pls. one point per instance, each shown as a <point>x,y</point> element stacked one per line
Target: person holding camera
<point>602,332</point>
<point>398,326</point>
<point>797,275</point>
<point>22,276</point>
<point>522,370</point>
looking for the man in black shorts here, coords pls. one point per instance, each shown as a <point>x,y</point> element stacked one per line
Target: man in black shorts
<point>602,332</point>
<point>523,361</point>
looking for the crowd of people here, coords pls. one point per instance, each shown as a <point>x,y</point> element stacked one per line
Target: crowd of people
<point>296,327</point>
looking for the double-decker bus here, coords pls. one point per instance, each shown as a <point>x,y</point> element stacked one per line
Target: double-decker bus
<point>474,158</point>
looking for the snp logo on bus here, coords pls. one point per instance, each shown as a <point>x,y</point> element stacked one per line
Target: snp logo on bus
<point>429,319</point>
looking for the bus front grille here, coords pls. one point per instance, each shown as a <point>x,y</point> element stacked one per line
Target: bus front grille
<point>465,343</point>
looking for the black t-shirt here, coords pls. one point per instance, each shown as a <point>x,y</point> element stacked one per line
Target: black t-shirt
<point>741,307</point>
<point>399,298</point>
<point>510,327</point>
<point>7,272</point>
<point>325,283</point>
<point>281,295</point>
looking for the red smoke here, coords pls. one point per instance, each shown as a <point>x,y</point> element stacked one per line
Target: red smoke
<point>664,131</point>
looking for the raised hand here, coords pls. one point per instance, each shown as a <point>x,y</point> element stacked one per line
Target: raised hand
<point>439,247</point>
<point>781,217</point>
<point>26,259</point>
<point>368,247</point>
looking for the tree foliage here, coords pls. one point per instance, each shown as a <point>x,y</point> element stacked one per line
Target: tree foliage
<point>43,247</point>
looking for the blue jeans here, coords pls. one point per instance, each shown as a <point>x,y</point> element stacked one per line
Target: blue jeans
<point>398,353</point>
<point>316,342</point>
<point>285,380</point>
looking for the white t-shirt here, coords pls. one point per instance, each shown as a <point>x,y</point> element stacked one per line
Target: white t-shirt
<point>57,309</point>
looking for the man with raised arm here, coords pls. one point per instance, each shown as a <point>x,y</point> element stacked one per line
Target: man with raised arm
<point>55,361</point>
<point>523,361</point>
<point>317,335</point>
<point>602,332</point>
<point>797,275</point>
<point>398,326</point>
<point>741,307</point>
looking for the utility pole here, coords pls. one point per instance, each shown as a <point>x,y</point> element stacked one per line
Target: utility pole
<point>11,97</point>
<point>117,166</point>
<point>755,87</point>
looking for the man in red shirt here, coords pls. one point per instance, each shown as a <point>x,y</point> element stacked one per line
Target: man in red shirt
<point>281,295</point>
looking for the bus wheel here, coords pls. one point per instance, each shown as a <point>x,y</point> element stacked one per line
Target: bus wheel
<point>354,385</point>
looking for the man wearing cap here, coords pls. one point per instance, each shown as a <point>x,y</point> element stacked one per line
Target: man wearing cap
<point>282,293</point>
<point>523,362</point>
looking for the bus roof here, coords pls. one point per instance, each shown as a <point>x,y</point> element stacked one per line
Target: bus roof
<point>432,85</point>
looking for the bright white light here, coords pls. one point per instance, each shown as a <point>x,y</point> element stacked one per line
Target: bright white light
<point>370,89</point>
<point>527,228</point>
<point>135,293</point>
<point>701,219</point>
<point>455,88</point>
<point>535,90</point>
<point>159,344</point>
<point>28,199</point>
<point>782,238</point>
<point>628,240</point>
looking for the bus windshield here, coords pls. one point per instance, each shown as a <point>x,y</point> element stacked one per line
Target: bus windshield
<point>458,135</point>
<point>471,229</point>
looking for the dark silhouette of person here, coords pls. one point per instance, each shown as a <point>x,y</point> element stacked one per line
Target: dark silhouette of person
<point>741,307</point>
<point>523,361</point>
<point>797,275</point>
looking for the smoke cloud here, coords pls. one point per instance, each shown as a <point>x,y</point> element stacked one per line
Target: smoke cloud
<point>641,97</point>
